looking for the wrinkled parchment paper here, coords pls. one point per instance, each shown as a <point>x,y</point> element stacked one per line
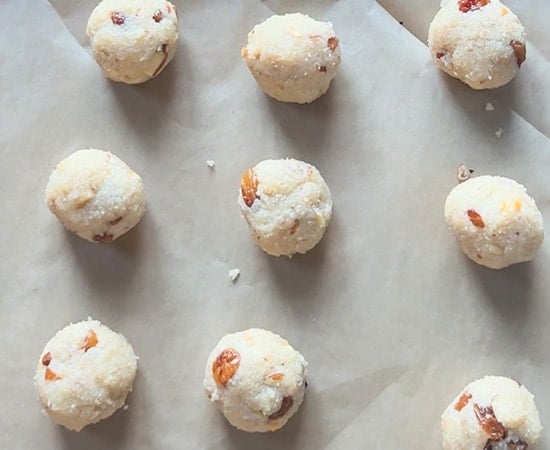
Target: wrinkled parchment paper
<point>392,317</point>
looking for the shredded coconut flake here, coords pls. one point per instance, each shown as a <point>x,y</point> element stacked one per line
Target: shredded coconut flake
<point>489,107</point>
<point>498,133</point>
<point>234,274</point>
<point>211,163</point>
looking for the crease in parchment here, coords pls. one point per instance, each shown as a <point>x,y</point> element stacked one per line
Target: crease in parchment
<point>80,45</point>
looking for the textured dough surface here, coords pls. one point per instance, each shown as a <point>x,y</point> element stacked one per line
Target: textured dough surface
<point>270,372</point>
<point>494,220</point>
<point>492,413</point>
<point>95,195</point>
<point>92,382</point>
<point>133,40</point>
<point>483,47</point>
<point>291,209</point>
<point>293,57</point>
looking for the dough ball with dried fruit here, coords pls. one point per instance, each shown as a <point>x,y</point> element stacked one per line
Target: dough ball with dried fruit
<point>84,374</point>
<point>480,42</point>
<point>133,40</point>
<point>287,205</point>
<point>492,413</point>
<point>494,220</point>
<point>293,57</point>
<point>256,379</point>
<point>95,195</point>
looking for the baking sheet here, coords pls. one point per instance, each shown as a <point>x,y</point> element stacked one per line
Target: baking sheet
<point>392,317</point>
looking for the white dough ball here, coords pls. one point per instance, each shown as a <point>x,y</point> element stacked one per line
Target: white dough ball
<point>493,413</point>
<point>480,42</point>
<point>95,195</point>
<point>494,220</point>
<point>287,205</point>
<point>293,57</point>
<point>133,40</point>
<point>84,374</point>
<point>256,379</point>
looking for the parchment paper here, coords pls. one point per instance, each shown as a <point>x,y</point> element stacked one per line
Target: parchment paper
<point>392,317</point>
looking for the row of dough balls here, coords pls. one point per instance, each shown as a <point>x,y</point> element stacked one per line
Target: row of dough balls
<point>294,57</point>
<point>258,381</point>
<point>288,206</point>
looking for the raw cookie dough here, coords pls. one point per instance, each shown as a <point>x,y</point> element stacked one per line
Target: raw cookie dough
<point>480,42</point>
<point>293,57</point>
<point>84,374</point>
<point>287,205</point>
<point>256,379</point>
<point>494,220</point>
<point>133,40</point>
<point>95,195</point>
<point>493,413</point>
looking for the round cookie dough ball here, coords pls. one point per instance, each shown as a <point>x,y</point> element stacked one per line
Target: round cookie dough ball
<point>494,220</point>
<point>480,42</point>
<point>293,57</point>
<point>493,413</point>
<point>95,195</point>
<point>256,379</point>
<point>133,40</point>
<point>84,374</point>
<point>286,204</point>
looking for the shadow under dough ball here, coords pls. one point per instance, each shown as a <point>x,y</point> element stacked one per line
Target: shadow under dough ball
<point>293,57</point>
<point>133,40</point>
<point>95,195</point>
<point>256,379</point>
<point>84,374</point>
<point>480,42</point>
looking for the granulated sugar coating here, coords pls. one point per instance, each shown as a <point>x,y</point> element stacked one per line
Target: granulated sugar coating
<point>256,379</point>
<point>480,42</point>
<point>493,413</point>
<point>494,220</point>
<point>287,205</point>
<point>95,195</point>
<point>84,374</point>
<point>133,40</point>
<point>293,57</point>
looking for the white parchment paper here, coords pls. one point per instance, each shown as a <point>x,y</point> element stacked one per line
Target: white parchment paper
<point>392,317</point>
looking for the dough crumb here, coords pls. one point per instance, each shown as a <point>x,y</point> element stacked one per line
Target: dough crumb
<point>498,133</point>
<point>489,106</point>
<point>234,274</point>
<point>125,407</point>
<point>211,163</point>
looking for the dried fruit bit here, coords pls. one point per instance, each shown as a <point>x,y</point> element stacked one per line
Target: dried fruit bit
<point>249,186</point>
<point>47,359</point>
<point>104,238</point>
<point>475,218</point>
<point>117,18</point>
<point>90,341</point>
<point>333,43</point>
<point>488,422</point>
<point>511,443</point>
<point>277,376</point>
<point>295,226</point>
<point>117,220</point>
<point>440,55</point>
<point>161,65</point>
<point>157,17</point>
<point>285,406</point>
<point>463,401</point>
<point>322,69</point>
<point>519,51</point>
<point>50,375</point>
<point>471,5</point>
<point>225,366</point>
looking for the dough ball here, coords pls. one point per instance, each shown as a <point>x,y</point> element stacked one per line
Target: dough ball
<point>293,57</point>
<point>95,195</point>
<point>493,413</point>
<point>286,204</point>
<point>84,374</point>
<point>494,220</point>
<point>133,40</point>
<point>256,379</point>
<point>480,42</point>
